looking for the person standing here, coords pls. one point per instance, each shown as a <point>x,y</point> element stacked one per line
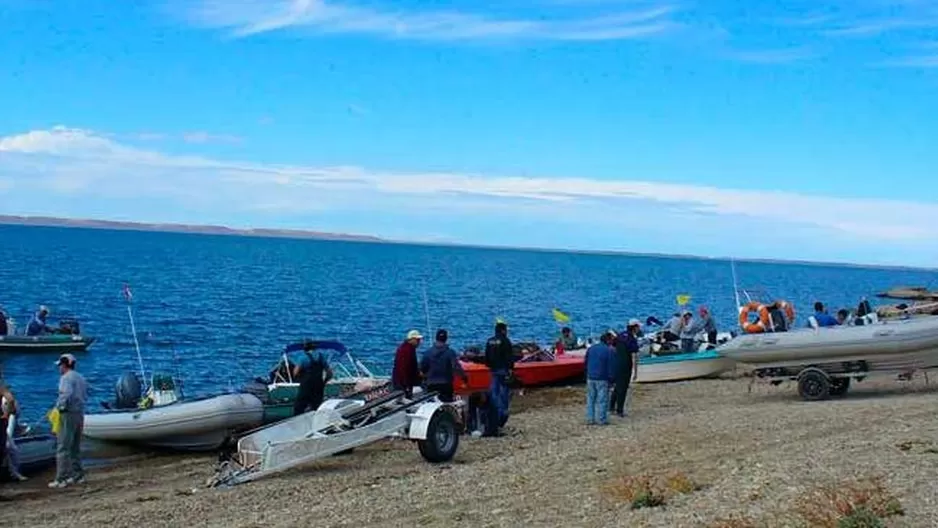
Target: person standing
<point>9,411</point>
<point>599,374</point>
<point>500,359</point>
<point>73,395</point>
<point>440,365</point>
<point>312,382</point>
<point>406,374</point>
<point>626,365</point>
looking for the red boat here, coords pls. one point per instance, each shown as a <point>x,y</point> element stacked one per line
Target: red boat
<point>532,370</point>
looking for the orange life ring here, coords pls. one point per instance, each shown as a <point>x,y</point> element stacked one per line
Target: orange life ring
<point>759,325</point>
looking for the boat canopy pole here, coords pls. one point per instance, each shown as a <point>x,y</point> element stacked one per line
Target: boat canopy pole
<point>133,329</point>
<point>735,283</point>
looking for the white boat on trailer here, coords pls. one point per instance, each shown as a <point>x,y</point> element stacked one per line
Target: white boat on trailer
<point>340,425</point>
<point>824,360</point>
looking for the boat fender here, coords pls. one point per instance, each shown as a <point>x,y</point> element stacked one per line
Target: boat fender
<point>420,419</point>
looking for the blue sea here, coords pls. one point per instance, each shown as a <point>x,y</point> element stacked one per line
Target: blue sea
<point>217,310</point>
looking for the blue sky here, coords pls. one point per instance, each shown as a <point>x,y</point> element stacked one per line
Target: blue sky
<point>789,129</point>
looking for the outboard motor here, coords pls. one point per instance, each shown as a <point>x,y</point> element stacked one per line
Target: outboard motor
<point>128,391</point>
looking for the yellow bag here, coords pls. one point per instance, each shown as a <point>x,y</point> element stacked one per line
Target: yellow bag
<point>55,420</point>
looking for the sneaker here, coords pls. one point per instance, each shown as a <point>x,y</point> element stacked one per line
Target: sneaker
<point>19,478</point>
<point>76,480</point>
<point>58,484</point>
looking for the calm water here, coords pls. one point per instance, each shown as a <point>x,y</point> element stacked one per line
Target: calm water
<point>218,310</point>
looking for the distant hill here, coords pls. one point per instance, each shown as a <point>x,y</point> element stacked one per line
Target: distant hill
<point>47,221</point>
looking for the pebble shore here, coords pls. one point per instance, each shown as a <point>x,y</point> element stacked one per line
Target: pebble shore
<point>752,458</point>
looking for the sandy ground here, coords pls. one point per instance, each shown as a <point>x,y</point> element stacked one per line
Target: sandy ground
<point>754,456</point>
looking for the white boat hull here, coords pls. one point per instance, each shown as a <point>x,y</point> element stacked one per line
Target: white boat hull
<point>194,425</point>
<point>677,367</point>
<point>681,370</point>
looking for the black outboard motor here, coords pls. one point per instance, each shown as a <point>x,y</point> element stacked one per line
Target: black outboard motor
<point>128,391</point>
<point>69,327</point>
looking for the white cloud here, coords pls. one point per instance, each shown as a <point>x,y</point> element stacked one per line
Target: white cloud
<point>251,17</point>
<point>77,162</point>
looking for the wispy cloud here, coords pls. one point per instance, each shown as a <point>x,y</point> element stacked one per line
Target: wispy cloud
<point>252,17</point>
<point>81,162</point>
<point>775,56</point>
<point>195,136</point>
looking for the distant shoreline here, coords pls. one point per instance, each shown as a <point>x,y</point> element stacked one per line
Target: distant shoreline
<point>302,234</point>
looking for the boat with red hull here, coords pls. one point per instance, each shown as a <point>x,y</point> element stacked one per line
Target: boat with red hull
<point>535,369</point>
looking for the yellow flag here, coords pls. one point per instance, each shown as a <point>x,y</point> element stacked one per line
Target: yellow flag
<point>683,299</point>
<point>560,317</point>
<point>55,420</point>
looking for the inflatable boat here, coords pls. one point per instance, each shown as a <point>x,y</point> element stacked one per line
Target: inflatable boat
<point>163,419</point>
<point>914,341</point>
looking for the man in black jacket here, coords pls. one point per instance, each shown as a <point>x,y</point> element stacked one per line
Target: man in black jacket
<point>499,357</point>
<point>626,365</point>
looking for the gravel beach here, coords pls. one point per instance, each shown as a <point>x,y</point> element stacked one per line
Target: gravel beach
<point>733,458</point>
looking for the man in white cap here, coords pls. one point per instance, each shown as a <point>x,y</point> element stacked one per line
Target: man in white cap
<point>73,394</point>
<point>406,374</point>
<point>626,345</point>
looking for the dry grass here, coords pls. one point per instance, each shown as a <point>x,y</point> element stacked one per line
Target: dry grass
<point>648,491</point>
<point>860,503</point>
<point>733,521</point>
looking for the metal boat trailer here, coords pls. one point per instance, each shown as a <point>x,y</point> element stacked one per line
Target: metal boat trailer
<point>821,381</point>
<point>340,425</point>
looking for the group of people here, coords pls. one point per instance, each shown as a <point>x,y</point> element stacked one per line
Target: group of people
<point>611,365</point>
<point>439,366</point>
<point>683,328</point>
<point>70,405</point>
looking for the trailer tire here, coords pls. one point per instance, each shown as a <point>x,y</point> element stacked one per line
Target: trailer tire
<point>442,438</point>
<point>814,385</point>
<point>840,386</point>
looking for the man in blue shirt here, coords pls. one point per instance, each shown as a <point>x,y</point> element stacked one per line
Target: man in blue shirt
<point>37,325</point>
<point>600,372</point>
<point>822,317</point>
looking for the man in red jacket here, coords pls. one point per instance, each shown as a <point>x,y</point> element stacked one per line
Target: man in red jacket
<point>406,375</point>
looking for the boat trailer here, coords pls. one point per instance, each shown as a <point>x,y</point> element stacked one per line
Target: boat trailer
<point>340,425</point>
<point>821,381</point>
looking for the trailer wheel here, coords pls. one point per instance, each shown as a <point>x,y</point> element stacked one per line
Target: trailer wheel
<point>839,386</point>
<point>814,385</point>
<point>442,438</point>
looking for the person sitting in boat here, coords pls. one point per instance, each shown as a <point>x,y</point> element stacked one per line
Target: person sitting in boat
<point>843,316</point>
<point>567,339</point>
<point>37,326</point>
<point>705,324</point>
<point>822,317</point>
<point>406,374</point>
<point>310,372</point>
<point>672,332</point>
